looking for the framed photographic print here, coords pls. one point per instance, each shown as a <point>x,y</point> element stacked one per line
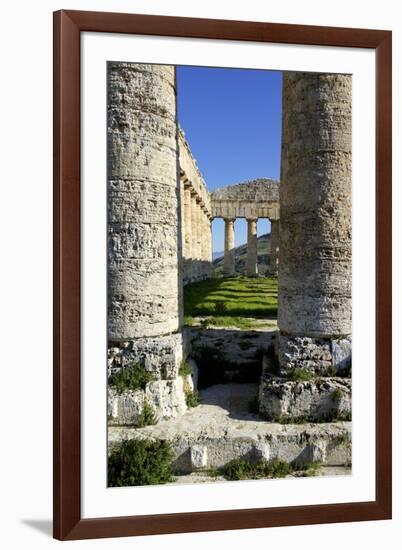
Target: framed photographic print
<point>222,215</point>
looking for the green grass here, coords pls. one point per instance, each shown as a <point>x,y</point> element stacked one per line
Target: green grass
<point>134,377</point>
<point>239,469</point>
<point>138,462</point>
<point>232,297</point>
<point>229,321</point>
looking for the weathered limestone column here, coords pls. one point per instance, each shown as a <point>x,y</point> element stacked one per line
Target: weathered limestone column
<point>195,237</point>
<point>187,244</point>
<point>209,237</point>
<point>252,253</point>
<point>273,266</point>
<point>315,249</point>
<point>229,258</point>
<point>144,234</point>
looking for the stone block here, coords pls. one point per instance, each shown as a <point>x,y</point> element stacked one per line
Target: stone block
<point>166,397</point>
<point>315,400</point>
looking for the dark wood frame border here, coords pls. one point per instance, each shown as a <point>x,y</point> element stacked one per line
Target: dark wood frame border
<point>67,514</point>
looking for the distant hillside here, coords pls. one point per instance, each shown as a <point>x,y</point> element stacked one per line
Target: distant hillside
<point>263,248</point>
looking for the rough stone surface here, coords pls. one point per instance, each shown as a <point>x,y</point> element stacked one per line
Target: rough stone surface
<point>196,215</point>
<point>144,240</point>
<point>251,248</point>
<point>165,397</point>
<point>315,197</point>
<point>161,355</point>
<point>252,199</point>
<point>325,398</point>
<point>317,355</point>
<point>229,259</point>
<point>223,426</point>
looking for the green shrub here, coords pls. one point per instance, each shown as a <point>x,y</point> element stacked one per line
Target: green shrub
<point>330,371</point>
<point>239,468</point>
<point>192,399</point>
<point>135,377</point>
<point>138,462</point>
<point>337,394</point>
<point>147,417</point>
<point>298,374</point>
<point>185,368</point>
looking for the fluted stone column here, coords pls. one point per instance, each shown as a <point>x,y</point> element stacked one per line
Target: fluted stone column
<point>144,235</point>
<point>252,253</point>
<point>274,245</point>
<point>209,257</point>
<point>315,249</point>
<point>187,245</point>
<point>194,237</point>
<point>229,258</point>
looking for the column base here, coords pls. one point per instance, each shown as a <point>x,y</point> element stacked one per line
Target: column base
<point>322,356</point>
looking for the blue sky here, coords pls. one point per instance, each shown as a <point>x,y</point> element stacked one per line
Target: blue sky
<point>232,121</point>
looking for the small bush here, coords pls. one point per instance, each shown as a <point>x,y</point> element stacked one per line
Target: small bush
<point>185,368</point>
<point>192,399</point>
<point>337,394</point>
<point>147,417</point>
<point>298,374</point>
<point>137,462</point>
<point>238,469</point>
<point>330,371</point>
<point>134,377</point>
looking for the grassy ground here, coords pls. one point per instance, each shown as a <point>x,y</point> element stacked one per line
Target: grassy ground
<point>232,301</point>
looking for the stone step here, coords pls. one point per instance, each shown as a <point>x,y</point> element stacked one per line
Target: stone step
<point>224,428</point>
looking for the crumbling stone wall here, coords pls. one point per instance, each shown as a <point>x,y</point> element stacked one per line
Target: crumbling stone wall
<point>315,252</point>
<point>144,237</point>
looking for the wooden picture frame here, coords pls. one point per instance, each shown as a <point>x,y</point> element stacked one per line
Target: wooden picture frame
<point>68,523</point>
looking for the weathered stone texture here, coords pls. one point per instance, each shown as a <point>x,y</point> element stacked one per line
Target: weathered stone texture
<point>317,355</point>
<point>252,199</point>
<point>251,248</point>
<point>229,259</point>
<point>322,399</point>
<point>144,239</point>
<point>315,195</point>
<point>160,355</point>
<point>196,208</point>
<point>165,397</point>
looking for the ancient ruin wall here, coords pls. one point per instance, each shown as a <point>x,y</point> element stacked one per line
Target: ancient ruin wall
<point>196,217</point>
<point>315,251</point>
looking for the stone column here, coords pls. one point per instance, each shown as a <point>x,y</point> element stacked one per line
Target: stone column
<point>229,258</point>
<point>144,250</point>
<point>187,245</point>
<point>274,245</point>
<point>209,237</point>
<point>195,237</point>
<point>315,249</point>
<point>252,253</point>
